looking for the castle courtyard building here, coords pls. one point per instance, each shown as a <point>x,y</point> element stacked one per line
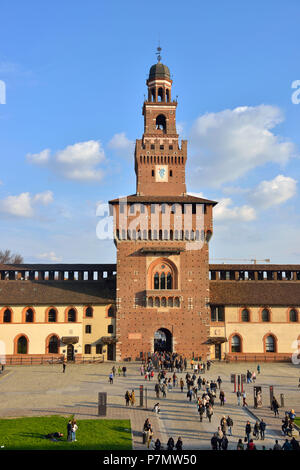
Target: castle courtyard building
<point>162,294</point>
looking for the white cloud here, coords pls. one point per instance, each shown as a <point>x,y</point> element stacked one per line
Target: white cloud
<point>77,162</point>
<point>273,192</point>
<point>39,158</point>
<point>23,204</point>
<point>51,256</point>
<point>226,145</point>
<point>122,145</point>
<point>224,211</point>
<point>44,198</point>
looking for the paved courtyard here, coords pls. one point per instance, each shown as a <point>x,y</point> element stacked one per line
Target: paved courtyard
<point>45,390</point>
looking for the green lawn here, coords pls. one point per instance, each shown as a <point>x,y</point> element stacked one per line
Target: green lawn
<point>92,434</point>
<point>297,421</point>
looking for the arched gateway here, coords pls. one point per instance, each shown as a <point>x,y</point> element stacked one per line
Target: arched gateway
<point>163,340</point>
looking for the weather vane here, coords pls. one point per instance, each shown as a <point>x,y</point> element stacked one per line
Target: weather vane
<point>158,53</point>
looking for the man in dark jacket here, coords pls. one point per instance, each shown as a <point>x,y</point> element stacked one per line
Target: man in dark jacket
<point>214,442</point>
<point>262,427</point>
<point>248,430</point>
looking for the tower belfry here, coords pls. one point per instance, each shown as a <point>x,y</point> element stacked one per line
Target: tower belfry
<point>159,160</point>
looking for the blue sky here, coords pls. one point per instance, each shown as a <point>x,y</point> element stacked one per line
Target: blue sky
<point>75,82</point>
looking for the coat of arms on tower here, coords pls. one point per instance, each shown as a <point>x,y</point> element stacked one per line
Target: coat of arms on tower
<point>162,173</point>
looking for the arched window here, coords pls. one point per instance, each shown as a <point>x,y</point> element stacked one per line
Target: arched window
<point>52,315</point>
<point>160,94</point>
<point>29,315</point>
<point>161,123</point>
<point>156,281</point>
<point>293,316</point>
<point>150,301</point>
<point>22,346</point>
<point>236,344</point>
<point>167,95</point>
<point>270,344</point>
<point>111,311</point>
<point>176,302</point>
<point>89,312</point>
<point>7,316</point>
<point>169,281</point>
<point>265,315</point>
<point>162,281</point>
<point>53,345</point>
<point>245,315</point>
<point>71,315</point>
<point>163,302</point>
<point>157,302</point>
<point>170,302</point>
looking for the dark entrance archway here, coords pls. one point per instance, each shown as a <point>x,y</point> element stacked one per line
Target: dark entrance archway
<point>70,352</point>
<point>163,341</point>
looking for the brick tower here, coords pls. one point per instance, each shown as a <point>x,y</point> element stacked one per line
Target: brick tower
<point>161,234</point>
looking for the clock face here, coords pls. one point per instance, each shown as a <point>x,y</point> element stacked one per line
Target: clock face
<point>161,173</point>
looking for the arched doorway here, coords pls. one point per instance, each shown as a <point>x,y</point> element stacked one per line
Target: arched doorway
<point>163,340</point>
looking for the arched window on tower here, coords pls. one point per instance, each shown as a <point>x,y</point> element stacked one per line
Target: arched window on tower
<point>167,95</point>
<point>162,281</point>
<point>169,281</point>
<point>265,315</point>
<point>160,94</point>
<point>153,94</point>
<point>161,123</point>
<point>156,281</point>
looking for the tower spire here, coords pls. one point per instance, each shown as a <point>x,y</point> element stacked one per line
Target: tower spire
<point>158,52</point>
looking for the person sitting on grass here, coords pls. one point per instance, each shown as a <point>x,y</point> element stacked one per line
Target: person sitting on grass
<point>54,436</point>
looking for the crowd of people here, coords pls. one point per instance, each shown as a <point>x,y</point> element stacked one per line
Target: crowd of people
<point>204,393</point>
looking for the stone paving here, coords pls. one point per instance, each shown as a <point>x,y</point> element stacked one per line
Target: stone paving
<point>45,390</point>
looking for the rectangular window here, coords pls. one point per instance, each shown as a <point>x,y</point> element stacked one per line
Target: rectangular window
<point>110,329</point>
<point>98,348</point>
<point>87,349</point>
<point>152,172</point>
<point>122,208</point>
<point>171,173</point>
<point>88,328</point>
<point>217,313</point>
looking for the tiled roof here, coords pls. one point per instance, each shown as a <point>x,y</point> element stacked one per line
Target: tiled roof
<point>187,199</point>
<point>255,293</point>
<point>56,292</point>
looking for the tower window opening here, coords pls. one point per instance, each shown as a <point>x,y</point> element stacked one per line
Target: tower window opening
<point>161,123</point>
<point>167,96</point>
<point>171,173</point>
<point>160,94</point>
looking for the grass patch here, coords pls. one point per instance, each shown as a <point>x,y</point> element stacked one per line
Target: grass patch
<point>92,434</point>
<point>297,421</point>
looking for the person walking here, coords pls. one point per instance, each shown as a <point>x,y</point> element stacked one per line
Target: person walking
<point>127,398</point>
<point>222,398</point>
<point>132,398</point>
<point>209,412</point>
<point>244,399</point>
<point>219,437</point>
<point>149,436</point>
<point>111,378</point>
<point>223,424</point>
<point>256,430</point>
<point>181,384</point>
<point>219,380</point>
<point>238,394</point>
<point>64,367</point>
<point>248,430</point>
<point>258,368</point>
<point>275,406</point>
<point>224,443</point>
<point>229,424</point>
<point>201,411</point>
<point>262,427</point>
